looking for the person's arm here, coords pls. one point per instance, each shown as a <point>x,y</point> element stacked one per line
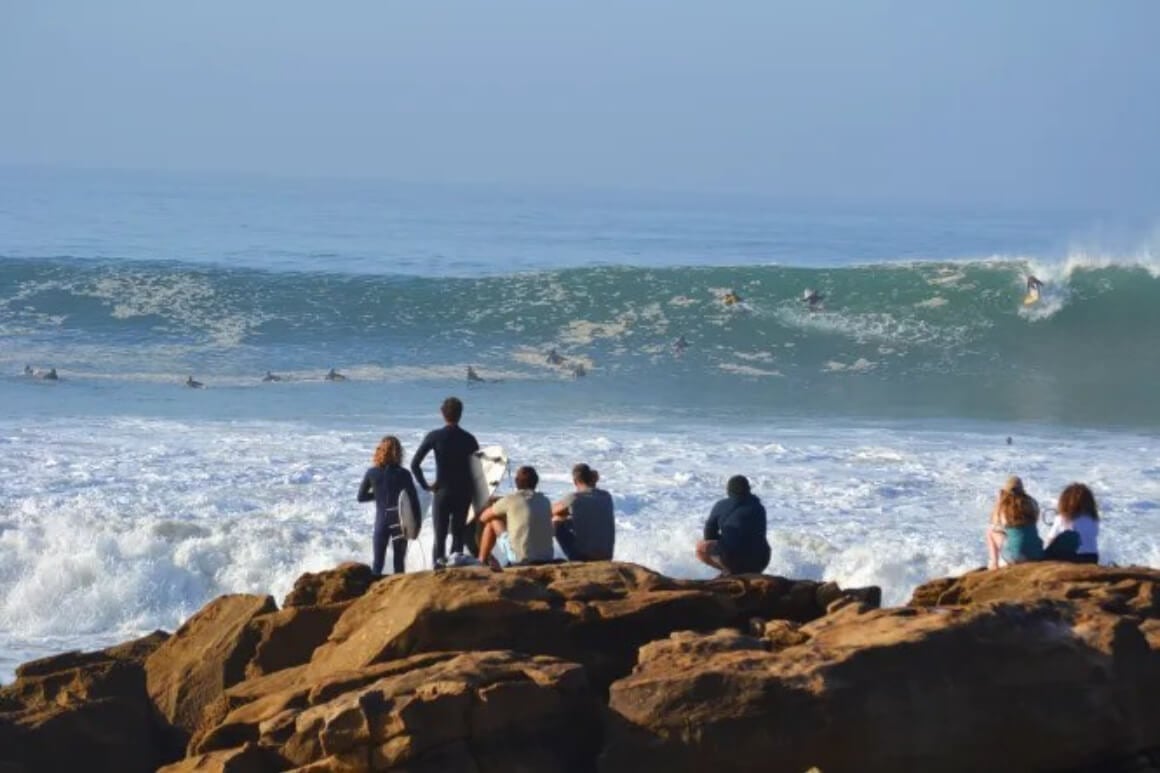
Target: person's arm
<point>497,509</point>
<point>562,509</point>
<point>366,492</point>
<point>713,524</point>
<point>412,494</point>
<point>417,460</point>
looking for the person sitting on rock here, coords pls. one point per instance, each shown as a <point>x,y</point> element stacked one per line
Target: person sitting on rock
<point>583,520</point>
<point>734,539</point>
<point>1013,537</point>
<point>1075,534</point>
<point>518,526</point>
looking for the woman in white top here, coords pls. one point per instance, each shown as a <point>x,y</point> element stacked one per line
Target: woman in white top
<point>1075,534</point>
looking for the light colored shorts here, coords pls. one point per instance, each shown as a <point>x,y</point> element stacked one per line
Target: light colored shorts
<point>503,546</point>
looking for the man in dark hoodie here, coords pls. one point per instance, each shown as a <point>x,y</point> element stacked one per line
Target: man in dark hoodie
<point>735,539</point>
<point>453,485</point>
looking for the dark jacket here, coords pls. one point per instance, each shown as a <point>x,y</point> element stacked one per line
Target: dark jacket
<point>738,526</point>
<point>453,447</point>
<point>384,485</point>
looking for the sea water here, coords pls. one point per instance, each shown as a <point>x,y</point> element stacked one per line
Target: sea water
<point>874,428</point>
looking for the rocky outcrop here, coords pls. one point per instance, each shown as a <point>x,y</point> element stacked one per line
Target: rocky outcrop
<point>1053,679</point>
<point>346,582</point>
<point>82,711</point>
<point>205,656</point>
<point>612,667</point>
<point>596,614</point>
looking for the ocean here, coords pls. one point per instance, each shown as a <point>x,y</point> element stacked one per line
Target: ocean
<point>875,428</point>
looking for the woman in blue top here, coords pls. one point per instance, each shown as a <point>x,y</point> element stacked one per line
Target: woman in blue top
<point>383,484</point>
<point>1013,536</point>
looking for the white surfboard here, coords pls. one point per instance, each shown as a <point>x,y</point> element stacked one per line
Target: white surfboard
<point>488,467</point>
<point>410,520</point>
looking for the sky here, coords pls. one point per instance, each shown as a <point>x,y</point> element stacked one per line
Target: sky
<point>1046,103</point>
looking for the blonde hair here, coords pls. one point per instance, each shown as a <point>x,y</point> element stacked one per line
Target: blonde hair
<point>1016,508</point>
<point>390,451</point>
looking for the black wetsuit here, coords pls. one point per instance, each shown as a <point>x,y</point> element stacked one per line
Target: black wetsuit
<point>454,487</point>
<point>385,485</point>
<point>737,523</point>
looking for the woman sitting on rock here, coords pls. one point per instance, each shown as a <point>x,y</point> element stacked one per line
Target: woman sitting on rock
<point>1075,534</point>
<point>1013,537</point>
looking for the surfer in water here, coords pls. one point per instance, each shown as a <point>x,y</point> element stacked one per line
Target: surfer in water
<point>1034,285</point>
<point>473,377</point>
<point>334,375</point>
<point>731,298</point>
<point>579,371</point>
<point>453,486</point>
<point>812,298</point>
<point>28,371</point>
<point>51,375</point>
<point>193,383</point>
<point>554,357</point>
<point>680,345</point>
<point>270,377</point>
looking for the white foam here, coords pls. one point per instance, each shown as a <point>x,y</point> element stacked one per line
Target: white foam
<point>113,527</point>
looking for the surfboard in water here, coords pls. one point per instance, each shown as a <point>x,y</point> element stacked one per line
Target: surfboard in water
<point>488,466</point>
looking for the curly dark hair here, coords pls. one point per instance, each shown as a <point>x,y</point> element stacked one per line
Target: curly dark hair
<point>1077,499</point>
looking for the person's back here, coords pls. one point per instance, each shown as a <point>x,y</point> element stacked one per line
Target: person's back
<point>529,525</point>
<point>593,523</point>
<point>453,486</point>
<point>1078,515</point>
<point>742,524</point>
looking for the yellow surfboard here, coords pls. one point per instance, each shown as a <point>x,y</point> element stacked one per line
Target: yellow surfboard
<point>1031,298</point>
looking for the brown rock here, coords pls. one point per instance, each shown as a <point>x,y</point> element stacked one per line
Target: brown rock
<point>289,636</point>
<point>82,711</point>
<point>1055,686</point>
<point>345,582</point>
<point>1124,591</point>
<point>204,657</point>
<point>249,758</point>
<point>597,614</point>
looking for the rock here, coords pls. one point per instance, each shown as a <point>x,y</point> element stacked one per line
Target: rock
<point>249,758</point>
<point>345,582</point>
<point>597,614</point>
<point>1054,686</point>
<point>477,711</point>
<point>82,711</point>
<point>1123,591</point>
<point>205,656</point>
<point>289,636</point>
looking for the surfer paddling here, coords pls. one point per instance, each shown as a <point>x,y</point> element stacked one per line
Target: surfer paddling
<point>812,298</point>
<point>453,485</point>
<point>193,383</point>
<point>554,358</point>
<point>269,377</point>
<point>334,375</point>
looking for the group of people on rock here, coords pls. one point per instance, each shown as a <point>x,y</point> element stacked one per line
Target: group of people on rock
<point>524,526</point>
<point>1013,533</point>
<point>518,528</point>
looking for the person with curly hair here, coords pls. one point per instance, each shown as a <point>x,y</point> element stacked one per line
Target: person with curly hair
<point>384,484</point>
<point>1075,534</point>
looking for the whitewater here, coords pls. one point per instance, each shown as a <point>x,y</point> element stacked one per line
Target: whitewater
<point>875,429</point>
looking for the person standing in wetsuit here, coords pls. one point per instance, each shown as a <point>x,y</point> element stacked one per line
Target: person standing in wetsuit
<point>386,483</point>
<point>453,485</point>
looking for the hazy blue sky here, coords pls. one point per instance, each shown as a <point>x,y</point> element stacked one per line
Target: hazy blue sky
<point>1025,102</point>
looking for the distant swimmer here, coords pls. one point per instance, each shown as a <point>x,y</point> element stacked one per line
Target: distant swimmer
<point>731,298</point>
<point>194,384</point>
<point>680,345</point>
<point>554,357</point>
<point>28,371</point>
<point>813,298</point>
<point>579,371</point>
<point>334,375</point>
<point>51,375</point>
<point>473,377</point>
<point>271,377</point>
